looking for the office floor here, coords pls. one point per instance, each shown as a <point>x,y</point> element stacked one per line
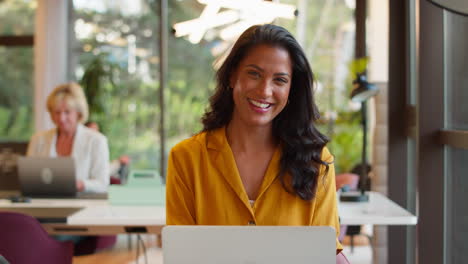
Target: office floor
<point>120,254</point>
<point>361,254</point>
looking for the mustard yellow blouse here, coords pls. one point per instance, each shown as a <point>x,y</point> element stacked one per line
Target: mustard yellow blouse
<point>203,187</point>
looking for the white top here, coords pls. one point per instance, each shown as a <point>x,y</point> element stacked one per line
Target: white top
<point>90,152</point>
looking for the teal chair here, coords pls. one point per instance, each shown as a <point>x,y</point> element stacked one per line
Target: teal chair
<point>143,187</point>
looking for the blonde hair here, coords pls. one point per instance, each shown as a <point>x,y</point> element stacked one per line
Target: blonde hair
<point>73,95</point>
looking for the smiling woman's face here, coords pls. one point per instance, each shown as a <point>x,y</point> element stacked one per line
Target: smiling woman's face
<point>261,85</point>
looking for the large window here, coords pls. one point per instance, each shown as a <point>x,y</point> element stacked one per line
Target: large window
<point>326,32</point>
<point>438,151</point>
<point>16,69</point>
<point>115,55</point>
<point>456,110</point>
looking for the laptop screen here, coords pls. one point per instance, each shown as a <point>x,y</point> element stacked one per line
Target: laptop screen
<point>47,177</point>
<point>249,244</point>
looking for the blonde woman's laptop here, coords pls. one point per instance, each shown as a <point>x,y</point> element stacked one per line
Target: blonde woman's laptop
<point>47,177</point>
<point>249,244</point>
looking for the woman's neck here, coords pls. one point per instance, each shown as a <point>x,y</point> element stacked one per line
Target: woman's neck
<point>67,134</point>
<point>249,139</point>
<point>64,145</point>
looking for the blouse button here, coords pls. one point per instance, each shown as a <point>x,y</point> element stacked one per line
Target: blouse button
<point>251,222</point>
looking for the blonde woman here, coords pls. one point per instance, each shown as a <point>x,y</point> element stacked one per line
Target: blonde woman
<point>68,110</point>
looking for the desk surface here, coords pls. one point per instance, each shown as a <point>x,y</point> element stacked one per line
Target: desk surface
<point>120,215</point>
<point>379,210</point>
<point>98,216</point>
<point>94,217</point>
<point>56,203</point>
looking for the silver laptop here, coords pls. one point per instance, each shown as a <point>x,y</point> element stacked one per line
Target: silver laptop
<point>249,244</point>
<point>47,177</point>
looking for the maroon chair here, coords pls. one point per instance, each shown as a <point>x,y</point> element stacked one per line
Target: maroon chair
<point>24,241</point>
<point>92,244</point>
<point>115,180</point>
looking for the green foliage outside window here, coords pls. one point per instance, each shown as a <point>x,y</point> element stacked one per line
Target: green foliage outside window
<point>16,72</point>
<point>132,120</point>
<point>328,44</point>
<point>346,140</point>
<point>127,103</point>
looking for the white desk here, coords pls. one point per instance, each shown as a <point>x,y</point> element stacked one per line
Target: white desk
<point>119,215</point>
<point>55,203</point>
<point>379,210</point>
<point>98,217</point>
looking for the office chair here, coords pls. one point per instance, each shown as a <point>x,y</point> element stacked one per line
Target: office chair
<point>366,185</point>
<point>92,244</point>
<point>352,181</point>
<point>24,241</point>
<point>347,181</point>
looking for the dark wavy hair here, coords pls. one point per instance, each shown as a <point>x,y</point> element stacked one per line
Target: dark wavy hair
<point>301,142</point>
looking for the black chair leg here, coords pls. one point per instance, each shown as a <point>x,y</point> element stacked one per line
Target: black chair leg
<point>129,241</point>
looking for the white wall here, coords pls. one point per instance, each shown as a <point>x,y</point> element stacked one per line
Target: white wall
<point>378,43</point>
<point>50,55</point>
<point>377,38</point>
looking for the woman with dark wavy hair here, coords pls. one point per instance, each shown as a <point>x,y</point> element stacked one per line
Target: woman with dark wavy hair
<point>259,159</point>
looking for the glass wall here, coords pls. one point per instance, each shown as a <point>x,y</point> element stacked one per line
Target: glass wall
<point>16,70</point>
<point>457,207</point>
<point>456,41</point>
<point>121,40</point>
<point>326,32</point>
<point>17,17</point>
